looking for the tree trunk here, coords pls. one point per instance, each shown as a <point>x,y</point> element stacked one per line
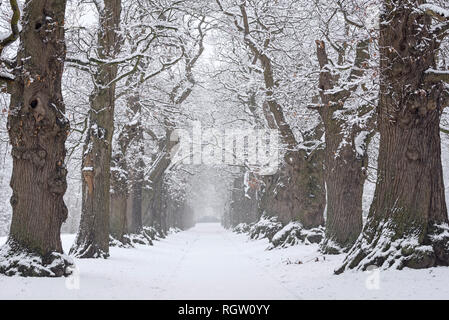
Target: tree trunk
<point>118,220</point>
<point>345,153</point>
<point>296,192</point>
<point>119,192</point>
<point>137,185</point>
<point>345,173</point>
<point>37,130</point>
<point>283,192</point>
<point>137,168</point>
<point>407,224</point>
<point>93,236</point>
<point>244,204</point>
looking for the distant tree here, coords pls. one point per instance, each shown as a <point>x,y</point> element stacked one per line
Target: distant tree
<point>264,30</point>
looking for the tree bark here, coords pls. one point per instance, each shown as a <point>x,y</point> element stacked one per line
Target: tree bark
<point>119,191</point>
<point>93,236</point>
<point>244,204</point>
<point>137,168</point>
<point>407,224</point>
<point>37,130</point>
<point>296,192</point>
<point>286,194</point>
<point>345,161</point>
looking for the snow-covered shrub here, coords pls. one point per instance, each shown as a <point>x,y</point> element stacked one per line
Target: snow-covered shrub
<point>294,233</point>
<point>266,227</point>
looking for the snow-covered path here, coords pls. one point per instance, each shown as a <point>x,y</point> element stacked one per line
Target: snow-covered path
<point>205,262</point>
<point>216,266</point>
<point>209,262</point>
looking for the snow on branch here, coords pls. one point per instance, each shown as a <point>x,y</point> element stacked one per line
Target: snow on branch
<point>6,79</point>
<point>435,11</point>
<point>440,14</point>
<point>432,75</point>
<point>4,42</point>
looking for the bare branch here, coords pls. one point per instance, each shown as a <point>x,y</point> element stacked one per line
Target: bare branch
<point>435,11</point>
<point>347,19</point>
<point>436,76</point>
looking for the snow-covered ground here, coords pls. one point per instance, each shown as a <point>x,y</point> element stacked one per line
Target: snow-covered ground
<point>208,262</point>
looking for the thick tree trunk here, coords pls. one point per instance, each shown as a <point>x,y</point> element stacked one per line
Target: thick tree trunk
<point>287,194</point>
<point>137,180</point>
<point>345,154</point>
<point>118,219</point>
<point>244,205</point>
<point>37,130</point>
<point>407,224</point>
<point>127,182</point>
<point>93,236</point>
<point>296,192</point>
<point>345,173</point>
<point>154,206</point>
<point>152,215</point>
<point>118,223</point>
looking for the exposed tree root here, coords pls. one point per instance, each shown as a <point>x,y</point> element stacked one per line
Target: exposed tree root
<point>86,251</point>
<point>329,246</point>
<point>140,238</point>
<point>294,233</point>
<point>173,230</point>
<point>386,250</point>
<point>242,228</point>
<point>266,227</point>
<point>123,243</point>
<point>17,260</point>
<point>152,233</point>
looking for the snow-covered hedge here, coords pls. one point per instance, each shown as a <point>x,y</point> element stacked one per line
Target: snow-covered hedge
<point>294,233</point>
